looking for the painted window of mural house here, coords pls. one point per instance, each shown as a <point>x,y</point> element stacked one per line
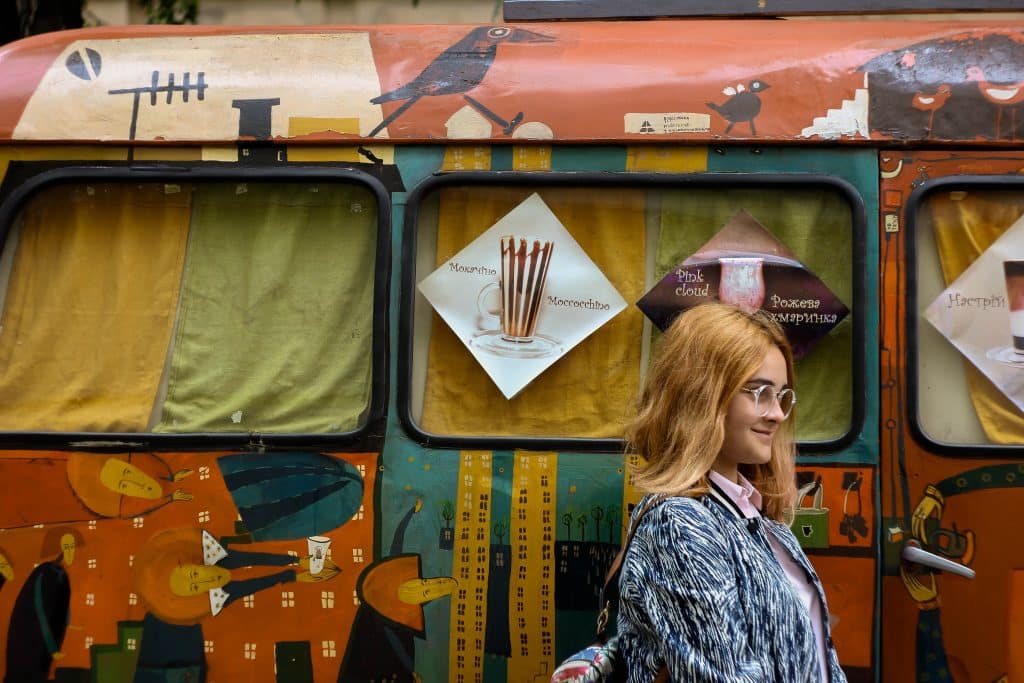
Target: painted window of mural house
<point>534,307</point>
<point>969,261</point>
<point>200,307</point>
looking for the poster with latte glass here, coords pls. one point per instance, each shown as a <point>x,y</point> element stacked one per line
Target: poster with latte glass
<point>521,295</point>
<point>982,313</point>
<point>745,265</point>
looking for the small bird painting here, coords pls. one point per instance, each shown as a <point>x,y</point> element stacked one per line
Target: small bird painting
<point>931,102</point>
<point>743,105</point>
<point>1000,94</point>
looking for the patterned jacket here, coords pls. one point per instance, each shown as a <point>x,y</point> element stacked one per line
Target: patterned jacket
<point>702,593</point>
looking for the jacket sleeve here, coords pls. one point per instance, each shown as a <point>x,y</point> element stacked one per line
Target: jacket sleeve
<point>678,588</point>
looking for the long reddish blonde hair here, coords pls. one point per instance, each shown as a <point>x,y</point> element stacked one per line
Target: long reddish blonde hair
<point>703,360</point>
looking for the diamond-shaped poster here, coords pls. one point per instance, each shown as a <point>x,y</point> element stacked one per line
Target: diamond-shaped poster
<point>521,295</point>
<point>982,313</point>
<point>745,265</point>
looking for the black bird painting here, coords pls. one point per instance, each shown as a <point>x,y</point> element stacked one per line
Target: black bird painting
<point>743,104</point>
<point>459,69</point>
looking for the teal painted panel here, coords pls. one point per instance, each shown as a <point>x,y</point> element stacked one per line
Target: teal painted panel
<point>588,158</point>
<point>501,158</point>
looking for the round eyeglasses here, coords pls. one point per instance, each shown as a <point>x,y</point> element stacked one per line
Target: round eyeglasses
<point>765,395</point>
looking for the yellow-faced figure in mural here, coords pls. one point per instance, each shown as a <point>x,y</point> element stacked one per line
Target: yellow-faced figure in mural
<point>40,614</point>
<point>124,486</point>
<point>392,592</point>
<point>184,575</point>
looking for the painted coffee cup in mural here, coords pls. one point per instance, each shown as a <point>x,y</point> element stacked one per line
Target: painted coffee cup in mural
<point>741,282</point>
<point>1014,271</point>
<point>525,262</point>
<point>318,547</point>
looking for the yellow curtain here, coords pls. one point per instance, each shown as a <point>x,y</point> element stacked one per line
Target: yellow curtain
<point>90,307</point>
<point>587,393</point>
<point>964,228</point>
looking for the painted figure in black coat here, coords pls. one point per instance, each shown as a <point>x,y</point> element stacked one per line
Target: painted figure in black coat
<point>392,592</point>
<point>40,615</point>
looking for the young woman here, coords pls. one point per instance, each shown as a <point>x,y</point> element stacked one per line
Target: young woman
<point>714,587</point>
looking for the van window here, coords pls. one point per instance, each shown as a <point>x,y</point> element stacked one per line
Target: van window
<point>182,308</point>
<point>635,234</point>
<point>966,395</point>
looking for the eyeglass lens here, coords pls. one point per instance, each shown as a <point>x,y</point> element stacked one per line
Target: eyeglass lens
<point>766,395</point>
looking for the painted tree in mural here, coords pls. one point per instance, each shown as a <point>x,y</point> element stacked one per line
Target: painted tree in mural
<point>597,513</point>
<point>567,519</point>
<point>447,537</point>
<point>611,520</point>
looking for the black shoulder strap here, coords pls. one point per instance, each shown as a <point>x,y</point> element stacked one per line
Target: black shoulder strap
<point>612,577</point>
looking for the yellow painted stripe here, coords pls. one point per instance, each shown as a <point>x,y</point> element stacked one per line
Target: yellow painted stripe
<point>64,152</point>
<point>58,153</point>
<point>168,153</point>
<point>470,567</point>
<point>220,153</point>
<point>532,585</point>
<point>531,158</point>
<point>307,125</point>
<point>467,158</point>
<point>664,159</point>
<point>349,153</point>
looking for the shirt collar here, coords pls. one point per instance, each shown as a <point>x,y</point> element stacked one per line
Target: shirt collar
<point>742,493</point>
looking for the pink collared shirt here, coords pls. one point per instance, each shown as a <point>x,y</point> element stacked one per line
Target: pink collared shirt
<point>748,500</point>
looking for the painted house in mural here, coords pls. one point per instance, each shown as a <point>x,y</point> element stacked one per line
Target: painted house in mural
<point>241,443</point>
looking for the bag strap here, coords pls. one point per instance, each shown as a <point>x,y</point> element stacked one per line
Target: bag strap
<point>612,577</point>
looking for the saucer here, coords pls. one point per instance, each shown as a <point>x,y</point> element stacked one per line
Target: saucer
<point>1006,355</point>
<point>492,341</point>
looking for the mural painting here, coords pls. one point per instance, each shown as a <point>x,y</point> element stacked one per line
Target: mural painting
<point>411,563</point>
<point>939,84</point>
<point>153,593</point>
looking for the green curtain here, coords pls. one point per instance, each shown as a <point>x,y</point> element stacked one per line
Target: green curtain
<point>817,226</point>
<point>275,325</point>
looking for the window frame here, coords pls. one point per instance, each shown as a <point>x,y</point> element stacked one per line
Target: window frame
<point>912,211</point>
<point>119,441</point>
<point>619,179</point>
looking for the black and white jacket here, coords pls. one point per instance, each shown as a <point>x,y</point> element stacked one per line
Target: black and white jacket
<point>702,594</point>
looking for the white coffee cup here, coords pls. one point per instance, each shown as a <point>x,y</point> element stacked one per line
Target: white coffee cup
<point>318,547</point>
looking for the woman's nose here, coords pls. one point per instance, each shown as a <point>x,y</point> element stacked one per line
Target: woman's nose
<point>775,412</point>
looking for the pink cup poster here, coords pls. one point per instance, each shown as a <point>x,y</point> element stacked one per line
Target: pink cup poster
<point>982,313</point>
<point>745,265</point>
<point>521,295</point>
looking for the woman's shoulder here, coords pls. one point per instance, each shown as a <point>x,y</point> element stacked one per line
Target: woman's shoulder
<point>679,529</point>
<point>676,516</point>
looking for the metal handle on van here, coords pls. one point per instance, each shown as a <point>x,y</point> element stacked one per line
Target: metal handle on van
<point>913,552</point>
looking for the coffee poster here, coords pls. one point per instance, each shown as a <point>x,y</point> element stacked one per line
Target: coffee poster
<point>745,265</point>
<point>521,295</point>
<point>982,313</point>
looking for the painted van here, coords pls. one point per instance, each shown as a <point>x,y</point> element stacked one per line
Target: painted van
<point>271,410</point>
